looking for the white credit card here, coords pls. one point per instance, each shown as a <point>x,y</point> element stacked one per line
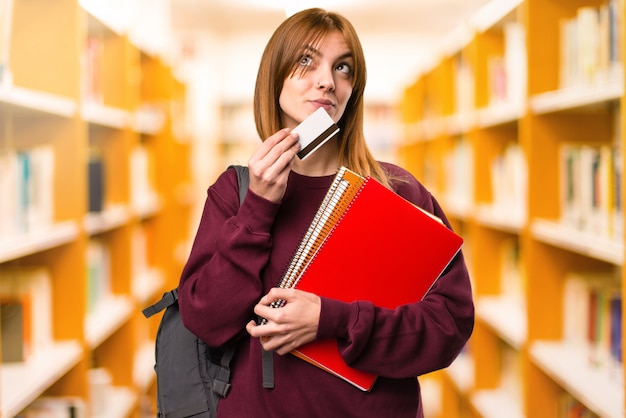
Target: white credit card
<point>314,131</point>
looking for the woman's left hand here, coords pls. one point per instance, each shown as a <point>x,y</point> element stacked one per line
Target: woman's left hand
<point>288,327</point>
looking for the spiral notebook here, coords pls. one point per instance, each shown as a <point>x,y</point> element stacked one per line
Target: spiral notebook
<point>367,243</point>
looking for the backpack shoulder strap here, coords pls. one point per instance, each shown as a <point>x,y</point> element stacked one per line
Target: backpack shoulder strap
<point>168,299</point>
<point>267,357</point>
<point>243,177</point>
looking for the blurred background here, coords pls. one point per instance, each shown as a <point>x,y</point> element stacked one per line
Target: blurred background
<point>218,45</point>
<point>117,115</point>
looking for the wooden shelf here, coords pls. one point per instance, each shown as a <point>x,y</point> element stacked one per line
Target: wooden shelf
<point>105,116</point>
<point>147,286</point>
<point>38,240</point>
<point>559,235</point>
<point>21,383</point>
<point>120,403</point>
<point>501,114</point>
<point>491,403</point>
<point>569,366</point>
<point>460,123</point>
<point>148,207</point>
<point>109,315</point>
<point>506,316</point>
<point>576,98</point>
<point>20,99</point>
<point>99,99</point>
<point>499,218</point>
<point>458,207</point>
<point>109,219</point>
<point>148,121</point>
<point>493,13</point>
<point>492,130</point>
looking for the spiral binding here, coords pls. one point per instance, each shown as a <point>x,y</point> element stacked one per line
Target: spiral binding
<point>314,230</point>
<point>354,192</point>
<point>338,199</point>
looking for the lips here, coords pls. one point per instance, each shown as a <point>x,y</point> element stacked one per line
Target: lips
<point>323,102</point>
<point>326,104</point>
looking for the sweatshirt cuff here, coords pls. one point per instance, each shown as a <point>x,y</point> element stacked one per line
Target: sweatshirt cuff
<point>257,213</point>
<point>334,319</point>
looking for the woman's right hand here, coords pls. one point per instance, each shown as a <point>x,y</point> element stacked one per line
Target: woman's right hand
<point>270,165</point>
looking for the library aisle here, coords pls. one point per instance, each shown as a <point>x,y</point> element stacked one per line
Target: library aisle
<point>94,181</point>
<point>517,128</point>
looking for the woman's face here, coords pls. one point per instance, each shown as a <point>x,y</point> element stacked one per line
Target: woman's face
<point>326,81</point>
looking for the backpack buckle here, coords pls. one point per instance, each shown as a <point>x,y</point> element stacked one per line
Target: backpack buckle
<point>221,388</point>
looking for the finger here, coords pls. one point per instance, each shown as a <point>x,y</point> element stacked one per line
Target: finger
<point>250,328</point>
<point>273,142</point>
<point>278,294</point>
<point>278,159</point>
<point>264,311</point>
<point>258,331</point>
<point>274,139</point>
<point>266,300</point>
<point>274,167</point>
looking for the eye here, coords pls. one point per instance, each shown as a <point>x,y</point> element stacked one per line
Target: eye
<point>306,61</point>
<point>344,68</point>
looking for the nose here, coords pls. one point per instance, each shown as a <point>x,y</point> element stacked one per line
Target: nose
<point>325,80</point>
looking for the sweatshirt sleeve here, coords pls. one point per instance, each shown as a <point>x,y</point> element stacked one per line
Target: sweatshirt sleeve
<point>412,339</point>
<point>216,283</point>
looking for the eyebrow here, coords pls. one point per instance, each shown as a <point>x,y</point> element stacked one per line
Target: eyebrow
<point>316,52</point>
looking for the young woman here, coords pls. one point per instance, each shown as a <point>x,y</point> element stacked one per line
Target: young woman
<point>314,59</point>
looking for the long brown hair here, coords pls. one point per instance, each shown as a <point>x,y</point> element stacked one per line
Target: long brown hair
<point>279,61</point>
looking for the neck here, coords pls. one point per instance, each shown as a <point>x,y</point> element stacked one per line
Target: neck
<point>323,162</point>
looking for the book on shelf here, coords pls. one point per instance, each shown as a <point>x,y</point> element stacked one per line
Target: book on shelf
<point>496,70</point>
<point>616,33</point>
<point>458,174</point>
<point>591,189</point>
<point>512,273</point>
<point>509,182</point>
<point>592,317</point>
<point>367,243</point>
<point>143,194</point>
<point>14,324</point>
<point>92,61</point>
<point>26,300</point>
<point>464,94</point>
<point>98,273</point>
<point>515,63</point>
<point>590,45</point>
<point>26,190</point>
<point>616,179</point>
<point>507,73</point>
<point>605,325</point>
<point>8,193</point>
<point>615,327</point>
<point>6,19</point>
<point>570,407</point>
<point>96,183</point>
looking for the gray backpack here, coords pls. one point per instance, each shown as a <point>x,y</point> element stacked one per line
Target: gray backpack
<point>191,376</point>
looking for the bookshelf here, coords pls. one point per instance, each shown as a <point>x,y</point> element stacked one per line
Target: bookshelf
<point>95,192</point>
<point>517,129</point>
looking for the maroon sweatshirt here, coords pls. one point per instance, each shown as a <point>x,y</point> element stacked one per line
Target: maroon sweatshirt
<point>239,253</point>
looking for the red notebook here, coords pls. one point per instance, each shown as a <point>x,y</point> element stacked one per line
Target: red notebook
<point>373,245</point>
